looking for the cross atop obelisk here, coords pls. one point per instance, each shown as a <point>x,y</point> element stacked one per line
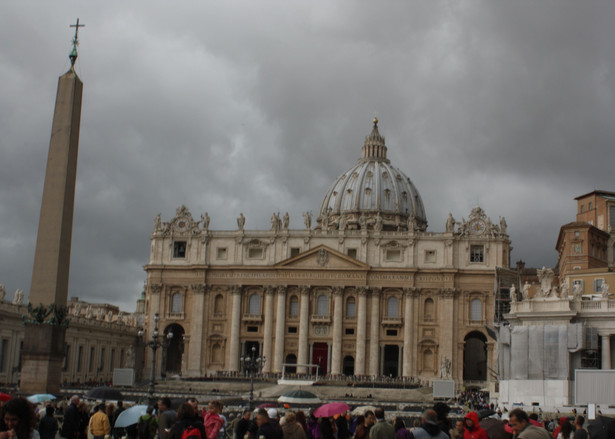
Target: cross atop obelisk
<point>73,54</point>
<point>44,339</point>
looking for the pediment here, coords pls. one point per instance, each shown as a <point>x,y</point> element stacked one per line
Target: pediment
<point>323,257</point>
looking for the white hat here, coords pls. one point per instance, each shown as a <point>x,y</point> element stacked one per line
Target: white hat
<point>273,413</point>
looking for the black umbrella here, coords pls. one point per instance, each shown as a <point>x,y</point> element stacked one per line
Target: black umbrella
<point>602,428</point>
<point>104,393</point>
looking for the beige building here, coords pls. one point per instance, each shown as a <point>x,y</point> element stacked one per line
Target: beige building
<point>99,338</point>
<point>364,289</point>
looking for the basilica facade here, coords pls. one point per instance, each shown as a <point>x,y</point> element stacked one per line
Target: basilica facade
<point>364,289</point>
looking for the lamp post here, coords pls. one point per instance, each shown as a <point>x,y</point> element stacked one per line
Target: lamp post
<point>251,364</point>
<point>154,344</point>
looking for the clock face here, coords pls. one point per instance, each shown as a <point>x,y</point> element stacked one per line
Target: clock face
<point>181,224</point>
<point>477,227</point>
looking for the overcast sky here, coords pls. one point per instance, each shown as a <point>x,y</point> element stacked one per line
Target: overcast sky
<point>258,106</point>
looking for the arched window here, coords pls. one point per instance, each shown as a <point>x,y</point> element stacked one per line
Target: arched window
<point>218,304</point>
<point>428,360</point>
<point>294,306</point>
<point>216,353</point>
<point>177,303</point>
<point>476,310</point>
<point>322,305</point>
<point>393,307</point>
<point>255,304</point>
<point>429,309</point>
<point>351,308</point>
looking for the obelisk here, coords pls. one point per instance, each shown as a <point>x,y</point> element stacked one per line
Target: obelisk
<point>44,340</point>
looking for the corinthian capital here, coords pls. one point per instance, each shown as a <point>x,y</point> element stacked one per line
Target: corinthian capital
<point>198,288</point>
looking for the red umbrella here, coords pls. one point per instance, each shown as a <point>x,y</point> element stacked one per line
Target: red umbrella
<point>4,397</point>
<point>331,409</point>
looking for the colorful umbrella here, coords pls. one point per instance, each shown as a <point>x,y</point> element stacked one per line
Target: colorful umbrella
<point>360,411</point>
<point>40,397</point>
<point>4,397</point>
<point>331,409</point>
<point>299,397</point>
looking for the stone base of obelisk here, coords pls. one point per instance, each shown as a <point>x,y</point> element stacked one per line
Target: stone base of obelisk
<point>42,359</point>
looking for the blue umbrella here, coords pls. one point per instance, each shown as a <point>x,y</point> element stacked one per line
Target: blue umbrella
<point>40,397</point>
<point>130,416</point>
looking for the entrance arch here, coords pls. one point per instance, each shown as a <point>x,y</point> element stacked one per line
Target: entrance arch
<point>175,349</point>
<point>475,357</point>
<point>291,359</point>
<point>391,361</point>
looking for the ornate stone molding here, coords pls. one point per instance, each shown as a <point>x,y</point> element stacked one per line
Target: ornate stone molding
<point>270,290</point>
<point>410,291</point>
<point>376,291</point>
<point>337,290</point>
<point>236,289</point>
<point>448,292</point>
<point>155,288</point>
<point>198,288</point>
<point>39,315</point>
<point>304,289</point>
<point>282,289</point>
<point>362,291</point>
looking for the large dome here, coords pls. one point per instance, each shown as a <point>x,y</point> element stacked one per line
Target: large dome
<point>373,194</point>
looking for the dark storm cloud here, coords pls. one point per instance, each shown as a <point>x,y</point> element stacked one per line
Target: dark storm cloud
<point>257,107</point>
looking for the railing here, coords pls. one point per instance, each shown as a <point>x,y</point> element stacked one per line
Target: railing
<point>604,305</point>
<point>320,319</point>
<point>247,317</point>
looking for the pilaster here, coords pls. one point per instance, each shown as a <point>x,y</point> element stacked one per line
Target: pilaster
<point>361,331</point>
<point>336,352</point>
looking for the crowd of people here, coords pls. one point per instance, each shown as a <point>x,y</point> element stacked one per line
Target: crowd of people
<point>20,420</point>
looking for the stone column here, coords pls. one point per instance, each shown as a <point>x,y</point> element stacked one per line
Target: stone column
<point>359,367</point>
<point>233,362</point>
<point>304,307</point>
<point>280,326</point>
<point>336,353</point>
<point>374,335</point>
<point>195,347</point>
<point>408,329</point>
<point>606,351</point>
<point>268,330</point>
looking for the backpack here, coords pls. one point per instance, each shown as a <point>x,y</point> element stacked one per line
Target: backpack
<point>143,428</point>
<point>191,432</point>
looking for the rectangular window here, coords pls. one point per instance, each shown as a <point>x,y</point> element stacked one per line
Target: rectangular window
<point>294,251</point>
<point>582,208</point>
<point>91,361</point>
<point>252,328</point>
<point>294,308</point>
<point>391,332</point>
<point>292,329</point>
<point>101,365</point>
<point>255,253</point>
<point>3,354</point>
<point>598,285</point>
<point>80,359</point>
<point>351,309</point>
<point>612,218</point>
<point>349,331</point>
<point>430,256</point>
<point>66,357</point>
<point>179,249</point>
<point>590,206</point>
<point>477,253</point>
<point>221,253</point>
<point>392,255</point>
<point>352,252</point>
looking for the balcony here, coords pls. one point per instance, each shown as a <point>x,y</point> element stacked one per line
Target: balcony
<point>252,318</point>
<point>392,322</point>
<point>321,319</point>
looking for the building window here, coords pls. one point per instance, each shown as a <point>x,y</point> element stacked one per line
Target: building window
<point>292,329</point>
<point>429,310</point>
<point>91,361</point>
<point>252,328</point>
<point>349,331</point>
<point>80,359</point>
<point>218,305</point>
<point>590,206</point>
<point>582,208</point>
<point>294,306</point>
<point>611,218</point>
<point>393,307</point>
<point>352,252</point>
<point>430,256</point>
<point>176,303</point>
<point>179,249</point>
<point>477,253</point>
<point>391,332</point>
<point>351,307</point>
<point>294,251</point>
<point>255,304</point>
<point>476,310</point>
<point>221,253</point>
<point>322,305</point>
<point>392,255</point>
<point>598,285</point>
<point>255,253</point>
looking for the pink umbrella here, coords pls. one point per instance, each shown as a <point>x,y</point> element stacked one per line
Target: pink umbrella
<point>331,409</point>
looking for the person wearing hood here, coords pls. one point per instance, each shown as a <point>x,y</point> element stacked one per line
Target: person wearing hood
<point>292,429</point>
<point>473,430</point>
<point>429,428</point>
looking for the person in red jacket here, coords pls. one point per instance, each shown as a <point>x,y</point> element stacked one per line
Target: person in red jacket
<point>473,430</point>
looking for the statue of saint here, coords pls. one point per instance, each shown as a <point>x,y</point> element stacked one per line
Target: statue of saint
<point>342,223</point>
<point>286,221</point>
<point>205,220</point>
<point>450,223</point>
<point>2,292</point>
<point>307,220</point>
<point>526,291</point>
<point>564,290</point>
<point>18,297</point>
<point>378,225</point>
<point>503,226</point>
<point>157,224</point>
<point>241,221</point>
<point>605,290</point>
<point>513,293</point>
